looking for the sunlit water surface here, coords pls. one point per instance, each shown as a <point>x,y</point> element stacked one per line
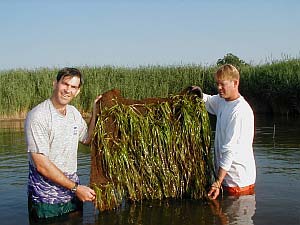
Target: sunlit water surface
<point>277,198</point>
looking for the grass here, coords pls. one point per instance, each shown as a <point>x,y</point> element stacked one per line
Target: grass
<point>163,153</point>
<point>271,87</point>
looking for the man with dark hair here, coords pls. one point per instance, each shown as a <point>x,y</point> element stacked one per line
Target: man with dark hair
<point>52,130</point>
<point>67,71</point>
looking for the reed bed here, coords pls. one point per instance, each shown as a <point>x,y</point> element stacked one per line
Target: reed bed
<point>272,87</point>
<point>162,153</point>
<point>22,89</point>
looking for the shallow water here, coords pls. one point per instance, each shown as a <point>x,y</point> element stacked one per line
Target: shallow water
<point>277,201</point>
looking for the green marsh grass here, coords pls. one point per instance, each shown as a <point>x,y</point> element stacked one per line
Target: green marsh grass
<point>270,88</point>
<point>23,89</point>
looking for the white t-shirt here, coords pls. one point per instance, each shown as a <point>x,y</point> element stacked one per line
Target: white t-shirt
<point>54,135</point>
<point>233,139</point>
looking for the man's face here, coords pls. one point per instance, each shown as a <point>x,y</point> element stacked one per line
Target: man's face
<point>66,89</point>
<point>227,89</point>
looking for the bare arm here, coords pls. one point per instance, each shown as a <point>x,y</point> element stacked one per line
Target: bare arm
<point>215,187</point>
<point>49,170</point>
<point>92,122</point>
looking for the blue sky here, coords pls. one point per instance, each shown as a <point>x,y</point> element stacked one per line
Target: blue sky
<point>156,32</point>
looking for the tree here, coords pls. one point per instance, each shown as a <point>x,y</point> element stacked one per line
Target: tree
<point>229,58</point>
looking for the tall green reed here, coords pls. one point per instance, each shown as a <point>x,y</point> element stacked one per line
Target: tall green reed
<point>275,84</point>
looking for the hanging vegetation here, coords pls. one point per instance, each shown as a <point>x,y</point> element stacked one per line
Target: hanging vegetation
<point>151,151</point>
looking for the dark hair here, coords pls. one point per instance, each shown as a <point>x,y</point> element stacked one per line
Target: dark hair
<point>68,71</point>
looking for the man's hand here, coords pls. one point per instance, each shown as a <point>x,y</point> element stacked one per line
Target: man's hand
<point>92,123</point>
<point>197,90</point>
<point>213,192</point>
<point>96,107</point>
<point>85,193</point>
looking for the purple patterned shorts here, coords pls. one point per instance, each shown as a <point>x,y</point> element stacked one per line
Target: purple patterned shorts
<point>42,190</point>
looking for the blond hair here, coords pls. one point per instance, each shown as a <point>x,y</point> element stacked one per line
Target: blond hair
<point>227,72</point>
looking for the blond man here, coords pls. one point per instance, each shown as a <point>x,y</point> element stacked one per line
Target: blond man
<point>233,151</point>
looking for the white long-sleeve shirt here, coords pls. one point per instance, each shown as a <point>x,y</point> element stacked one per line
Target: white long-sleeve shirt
<point>233,139</point>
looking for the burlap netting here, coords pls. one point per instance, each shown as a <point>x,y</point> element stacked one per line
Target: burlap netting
<point>99,177</point>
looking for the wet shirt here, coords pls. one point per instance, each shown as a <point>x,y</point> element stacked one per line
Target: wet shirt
<point>56,136</point>
<point>233,139</point>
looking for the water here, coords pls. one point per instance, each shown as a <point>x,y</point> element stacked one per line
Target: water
<point>277,201</point>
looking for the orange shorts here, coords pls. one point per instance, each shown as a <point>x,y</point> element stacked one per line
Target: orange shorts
<point>248,190</point>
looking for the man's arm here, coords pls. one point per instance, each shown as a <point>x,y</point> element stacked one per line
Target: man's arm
<point>92,122</point>
<point>215,187</point>
<point>45,167</point>
<point>232,134</point>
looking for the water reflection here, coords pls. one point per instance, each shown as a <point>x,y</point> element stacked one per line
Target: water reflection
<point>277,141</point>
<point>235,209</point>
<point>228,210</point>
<point>164,212</point>
<point>275,202</point>
<point>15,125</point>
